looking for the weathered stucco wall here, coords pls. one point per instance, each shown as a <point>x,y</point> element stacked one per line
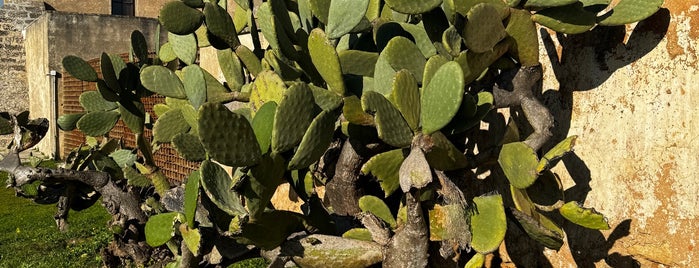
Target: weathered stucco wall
<point>56,35</point>
<point>631,95</point>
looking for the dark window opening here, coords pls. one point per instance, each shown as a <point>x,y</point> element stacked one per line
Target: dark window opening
<point>123,7</point>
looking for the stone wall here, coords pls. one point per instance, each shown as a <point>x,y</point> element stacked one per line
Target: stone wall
<point>630,94</point>
<point>15,15</point>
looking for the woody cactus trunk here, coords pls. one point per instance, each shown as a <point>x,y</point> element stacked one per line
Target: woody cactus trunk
<point>378,103</point>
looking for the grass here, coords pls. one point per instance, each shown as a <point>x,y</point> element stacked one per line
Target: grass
<point>29,236</point>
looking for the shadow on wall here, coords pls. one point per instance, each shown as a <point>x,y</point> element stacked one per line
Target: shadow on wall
<point>576,71</point>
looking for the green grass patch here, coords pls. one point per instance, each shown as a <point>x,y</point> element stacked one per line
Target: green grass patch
<point>29,236</point>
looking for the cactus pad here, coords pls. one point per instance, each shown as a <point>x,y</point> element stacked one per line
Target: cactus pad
<point>320,9</point>
<point>354,113</point>
<point>390,125</point>
<point>444,155</point>
<point>294,114</point>
<point>488,224</point>
<point>325,99</point>
<point>97,123</point>
<point>540,228</point>
<point>220,24</point>
<point>217,185</point>
<point>251,62</point>
<point>518,161</point>
<point>402,53</point>
<point>556,152</point>
<point>537,4</point>
<point>227,136</point>
<point>383,75</point>
<point>376,206</point>
<point>133,113</point>
<point>93,101</point>
<point>413,7</point>
<point>66,122</point>
<point>315,141</point>
<point>358,62</point>
<point>189,147</point>
<point>629,11</point>
<point>442,97</point>
<point>263,123</point>
<point>384,167</point>
<point>109,74</point>
<point>194,85</point>
<point>414,171</point>
<point>168,125</point>
<point>78,68</point>
<point>450,223</point>
<point>166,54</point>
<point>526,44</point>
<point>191,196</point>
<point>358,234</point>
<point>344,15</point>
<point>232,68</point>
<point>179,18</point>
<point>477,261</point>
<point>160,228</point>
<point>163,81</point>
<point>484,28</point>
<point>139,45</point>
<point>406,97</point>
<point>586,217</point>
<point>433,64</point>
<point>184,47</point>
<point>570,19</point>
<point>326,60</point>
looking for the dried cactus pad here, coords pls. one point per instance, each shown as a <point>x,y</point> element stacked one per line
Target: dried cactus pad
<point>227,136</point>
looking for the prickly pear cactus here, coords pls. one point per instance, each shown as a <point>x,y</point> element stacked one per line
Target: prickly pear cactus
<point>388,92</point>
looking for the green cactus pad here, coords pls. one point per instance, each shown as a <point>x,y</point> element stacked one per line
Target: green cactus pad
<point>477,261</point>
<point>217,185</point>
<point>358,62</point>
<point>97,123</point>
<point>227,136</point>
<point>133,113</point>
<point>404,54</point>
<point>326,60</point>
<point>160,109</point>
<point>240,18</point>
<point>488,224</point>
<point>109,75</point>
<point>354,113</point>
<point>268,86</point>
<point>585,217</point>
<point>139,45</point>
<point>265,177</point>
<point>413,7</point>
<point>383,75</point>
<point>251,62</point>
<point>449,223</point>
<point>179,18</point>
<point>422,38</point>
<point>286,69</point>
<point>376,206</point>
<point>325,99</point>
<point>106,92</point>
<point>163,81</point>
<point>540,228</point>
<point>344,15</point>
<point>320,9</point>
<point>194,4</point>
<point>358,234</point>
<point>444,155</point>
<point>406,97</point>
<point>268,25</point>
<point>79,69</point>
<point>220,24</point>
<point>629,11</point>
<point>473,111</point>
<point>484,28</point>
<point>473,64</point>
<point>518,161</point>
<point>160,228</point>
<point>538,4</point>
<point>315,141</point>
<point>451,39</point>
<point>570,19</point>
<point>526,44</point>
<point>189,147</point>
<point>191,196</point>
<point>294,114</point>
<point>184,47</point>
<point>464,6</point>
<point>384,167</point>
<point>66,122</point>
<point>168,125</point>
<point>135,178</point>
<point>232,68</point>
<point>191,238</point>
<point>558,151</point>
<point>123,158</point>
<point>433,64</point>
<point>215,91</point>
<point>166,53</point>
<point>442,97</point>
<point>390,125</point>
<point>263,124</point>
<point>93,101</point>
<point>414,172</point>
<point>194,85</point>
